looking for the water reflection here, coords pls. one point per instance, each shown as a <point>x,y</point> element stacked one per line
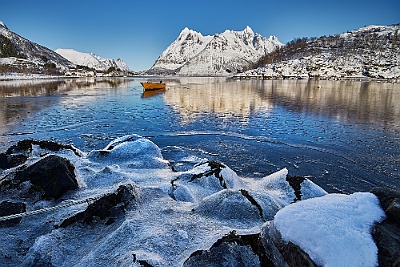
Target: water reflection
<point>29,87</point>
<point>21,98</point>
<point>192,97</point>
<point>366,102</point>
<point>151,93</point>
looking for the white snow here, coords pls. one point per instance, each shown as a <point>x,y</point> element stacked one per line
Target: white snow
<point>2,24</point>
<point>91,60</point>
<point>335,230</point>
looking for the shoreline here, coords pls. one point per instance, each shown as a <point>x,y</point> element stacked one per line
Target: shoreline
<point>35,76</point>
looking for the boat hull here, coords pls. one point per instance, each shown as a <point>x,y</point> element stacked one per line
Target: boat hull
<point>153,86</point>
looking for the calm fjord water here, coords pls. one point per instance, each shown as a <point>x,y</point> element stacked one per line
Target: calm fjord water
<point>343,135</point>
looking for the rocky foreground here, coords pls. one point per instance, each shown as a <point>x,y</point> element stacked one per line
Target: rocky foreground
<point>125,205</point>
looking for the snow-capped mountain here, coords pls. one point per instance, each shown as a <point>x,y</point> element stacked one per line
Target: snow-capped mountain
<point>92,60</point>
<point>19,53</point>
<point>368,52</point>
<point>188,44</point>
<point>222,54</point>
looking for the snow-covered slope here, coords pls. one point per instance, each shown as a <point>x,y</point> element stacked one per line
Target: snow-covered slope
<point>222,54</point>
<point>368,52</point>
<point>21,53</point>
<point>188,44</point>
<point>92,60</point>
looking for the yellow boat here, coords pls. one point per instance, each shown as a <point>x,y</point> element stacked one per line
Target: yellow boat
<point>153,86</point>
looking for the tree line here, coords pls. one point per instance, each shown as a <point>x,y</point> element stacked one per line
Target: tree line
<point>8,49</point>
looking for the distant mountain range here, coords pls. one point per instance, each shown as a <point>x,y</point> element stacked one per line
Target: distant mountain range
<point>368,52</point>
<point>91,60</point>
<point>222,54</point>
<point>18,54</point>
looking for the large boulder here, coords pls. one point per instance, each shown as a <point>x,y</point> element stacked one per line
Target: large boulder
<point>332,230</point>
<point>52,175</point>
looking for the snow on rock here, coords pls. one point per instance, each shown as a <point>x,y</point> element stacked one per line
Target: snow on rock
<point>131,152</point>
<point>131,208</point>
<point>335,230</point>
<point>92,60</point>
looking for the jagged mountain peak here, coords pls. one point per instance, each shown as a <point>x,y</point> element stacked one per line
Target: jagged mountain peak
<point>186,31</point>
<point>221,54</point>
<point>2,24</point>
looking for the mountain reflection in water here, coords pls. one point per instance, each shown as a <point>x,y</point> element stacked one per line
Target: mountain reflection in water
<point>344,135</point>
<point>367,102</point>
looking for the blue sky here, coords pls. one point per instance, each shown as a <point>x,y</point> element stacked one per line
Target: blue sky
<point>138,31</point>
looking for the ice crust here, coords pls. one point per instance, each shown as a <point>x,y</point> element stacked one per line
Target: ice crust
<point>175,214</point>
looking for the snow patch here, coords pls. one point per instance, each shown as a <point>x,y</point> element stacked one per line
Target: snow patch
<point>335,230</point>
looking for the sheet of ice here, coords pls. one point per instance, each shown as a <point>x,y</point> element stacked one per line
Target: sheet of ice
<point>173,213</point>
<point>335,230</point>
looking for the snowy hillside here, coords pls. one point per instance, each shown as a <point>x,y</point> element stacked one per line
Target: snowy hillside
<point>368,52</point>
<point>222,54</point>
<point>92,60</point>
<point>20,54</point>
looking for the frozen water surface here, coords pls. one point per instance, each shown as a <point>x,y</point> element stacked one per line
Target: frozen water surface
<point>343,135</point>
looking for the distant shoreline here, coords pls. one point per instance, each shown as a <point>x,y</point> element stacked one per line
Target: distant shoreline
<point>33,76</point>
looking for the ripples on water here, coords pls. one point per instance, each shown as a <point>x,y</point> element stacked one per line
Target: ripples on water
<point>343,135</point>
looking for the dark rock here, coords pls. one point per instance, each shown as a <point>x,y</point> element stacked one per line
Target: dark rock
<point>53,175</point>
<point>246,194</point>
<point>107,208</point>
<point>215,169</point>
<point>10,161</point>
<point>393,211</point>
<point>25,147</point>
<point>390,202</point>
<point>387,239</point>
<point>387,233</point>
<point>9,208</point>
<point>232,250</point>
<point>295,256</point>
<point>141,262</point>
<point>283,253</point>
<point>295,183</point>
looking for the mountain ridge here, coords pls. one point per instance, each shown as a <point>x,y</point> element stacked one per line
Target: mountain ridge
<point>193,54</point>
<point>368,52</point>
<point>20,55</point>
<point>92,60</point>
